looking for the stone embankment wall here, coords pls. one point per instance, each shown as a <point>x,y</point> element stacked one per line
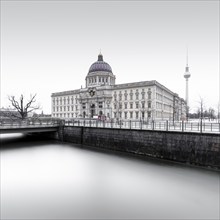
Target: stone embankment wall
<point>190,148</point>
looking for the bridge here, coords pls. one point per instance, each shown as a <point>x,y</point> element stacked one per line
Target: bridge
<point>51,124</point>
<point>29,126</point>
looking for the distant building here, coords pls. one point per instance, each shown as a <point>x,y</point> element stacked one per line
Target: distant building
<point>8,113</point>
<point>102,98</point>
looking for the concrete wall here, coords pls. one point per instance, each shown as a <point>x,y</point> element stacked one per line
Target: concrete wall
<point>191,148</point>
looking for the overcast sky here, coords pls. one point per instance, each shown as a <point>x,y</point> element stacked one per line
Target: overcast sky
<point>48,46</point>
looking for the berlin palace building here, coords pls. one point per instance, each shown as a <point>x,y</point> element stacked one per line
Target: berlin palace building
<point>104,99</point>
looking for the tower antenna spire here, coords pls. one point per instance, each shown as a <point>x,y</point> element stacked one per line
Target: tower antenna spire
<point>187,56</point>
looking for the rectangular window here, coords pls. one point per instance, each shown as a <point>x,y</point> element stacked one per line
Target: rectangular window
<point>137,115</point>
<point>149,104</point>
<point>131,105</point>
<point>115,114</point>
<point>126,115</point>
<point>143,104</point>
<point>100,104</point>
<point>137,105</point>
<point>131,114</point>
<point>126,105</point>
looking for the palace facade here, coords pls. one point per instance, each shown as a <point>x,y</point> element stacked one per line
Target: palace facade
<point>102,98</point>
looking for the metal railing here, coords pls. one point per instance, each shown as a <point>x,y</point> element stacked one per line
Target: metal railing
<point>39,122</point>
<point>182,126</point>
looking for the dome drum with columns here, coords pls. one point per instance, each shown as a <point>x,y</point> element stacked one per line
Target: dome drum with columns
<point>102,98</point>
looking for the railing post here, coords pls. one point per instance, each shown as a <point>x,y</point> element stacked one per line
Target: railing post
<point>167,125</point>
<point>201,126</point>
<point>153,125</point>
<point>130,124</point>
<point>182,126</point>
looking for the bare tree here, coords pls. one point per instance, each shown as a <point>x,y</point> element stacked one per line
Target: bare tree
<point>201,108</point>
<point>22,108</point>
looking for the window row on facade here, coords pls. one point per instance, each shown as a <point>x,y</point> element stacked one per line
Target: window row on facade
<point>130,94</point>
<point>65,100</point>
<point>65,108</point>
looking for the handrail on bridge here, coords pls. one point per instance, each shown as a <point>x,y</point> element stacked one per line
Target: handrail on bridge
<point>8,122</point>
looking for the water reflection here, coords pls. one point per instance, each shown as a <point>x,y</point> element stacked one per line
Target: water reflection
<point>50,180</point>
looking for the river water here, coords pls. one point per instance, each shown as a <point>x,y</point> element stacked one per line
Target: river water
<point>44,179</point>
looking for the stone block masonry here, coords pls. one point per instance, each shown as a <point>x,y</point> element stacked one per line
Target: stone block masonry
<point>190,148</point>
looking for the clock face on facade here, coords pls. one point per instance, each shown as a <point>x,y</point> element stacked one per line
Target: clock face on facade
<point>91,92</point>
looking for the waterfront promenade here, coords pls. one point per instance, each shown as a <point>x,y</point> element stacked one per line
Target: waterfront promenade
<point>183,126</point>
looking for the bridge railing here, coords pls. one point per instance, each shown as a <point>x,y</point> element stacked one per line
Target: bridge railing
<point>30,122</point>
<point>183,126</point>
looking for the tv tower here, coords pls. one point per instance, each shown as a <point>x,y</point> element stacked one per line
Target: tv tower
<point>186,76</point>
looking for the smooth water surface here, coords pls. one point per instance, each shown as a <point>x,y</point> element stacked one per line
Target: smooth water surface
<point>42,179</point>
